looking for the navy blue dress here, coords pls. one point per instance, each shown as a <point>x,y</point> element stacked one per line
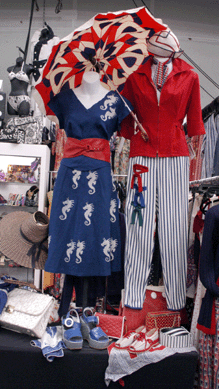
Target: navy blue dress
<point>84,234</point>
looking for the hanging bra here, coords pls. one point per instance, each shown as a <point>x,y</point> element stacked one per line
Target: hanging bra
<point>21,75</point>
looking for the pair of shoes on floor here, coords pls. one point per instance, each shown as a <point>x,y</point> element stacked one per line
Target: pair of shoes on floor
<point>75,329</point>
<point>139,340</point>
<point>71,330</point>
<point>94,335</point>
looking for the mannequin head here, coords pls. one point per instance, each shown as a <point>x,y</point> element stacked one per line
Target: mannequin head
<point>46,33</point>
<point>19,61</point>
<point>163,45</point>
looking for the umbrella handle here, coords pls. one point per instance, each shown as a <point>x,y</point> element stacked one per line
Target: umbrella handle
<point>141,128</point>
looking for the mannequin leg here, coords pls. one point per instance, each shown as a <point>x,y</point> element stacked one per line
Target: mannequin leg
<point>139,239</point>
<point>66,295</point>
<point>173,187</point>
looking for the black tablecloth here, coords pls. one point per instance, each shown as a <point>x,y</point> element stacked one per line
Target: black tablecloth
<point>23,366</point>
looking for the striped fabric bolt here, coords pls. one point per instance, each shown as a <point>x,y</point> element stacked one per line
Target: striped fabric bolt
<point>169,177</point>
<point>175,337</point>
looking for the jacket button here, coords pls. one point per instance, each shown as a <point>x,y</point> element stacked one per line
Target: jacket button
<point>153,295</point>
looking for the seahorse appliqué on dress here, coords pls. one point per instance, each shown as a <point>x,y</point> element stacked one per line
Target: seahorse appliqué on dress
<point>68,204</point>
<point>92,180</point>
<point>107,106</point>
<point>109,248</point>
<point>113,205</point>
<point>111,100</point>
<point>106,249</point>
<point>76,177</point>
<point>69,251</point>
<point>109,114</point>
<point>113,245</point>
<point>79,251</point>
<point>88,208</point>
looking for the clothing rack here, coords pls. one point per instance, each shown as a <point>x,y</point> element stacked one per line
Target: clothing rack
<point>212,108</point>
<point>207,180</point>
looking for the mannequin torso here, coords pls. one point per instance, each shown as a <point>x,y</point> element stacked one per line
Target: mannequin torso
<point>19,77</point>
<point>90,91</point>
<point>18,100</point>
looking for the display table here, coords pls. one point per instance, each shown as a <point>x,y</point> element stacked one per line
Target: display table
<point>23,366</point>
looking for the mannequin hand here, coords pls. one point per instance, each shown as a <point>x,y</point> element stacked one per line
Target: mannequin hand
<point>144,136</point>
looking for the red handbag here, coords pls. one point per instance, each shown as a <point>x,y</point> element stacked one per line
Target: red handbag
<point>154,301</point>
<point>162,319</point>
<point>112,325</point>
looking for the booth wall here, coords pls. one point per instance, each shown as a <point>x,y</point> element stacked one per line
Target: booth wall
<point>194,22</point>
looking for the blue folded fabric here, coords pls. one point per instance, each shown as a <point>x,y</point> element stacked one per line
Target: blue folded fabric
<point>51,343</point>
<point>3,299</point>
<point>6,285</point>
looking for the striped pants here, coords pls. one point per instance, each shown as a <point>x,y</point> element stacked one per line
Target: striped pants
<point>167,180</point>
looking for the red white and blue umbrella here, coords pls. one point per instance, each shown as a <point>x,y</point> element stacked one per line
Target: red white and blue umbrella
<point>114,43</point>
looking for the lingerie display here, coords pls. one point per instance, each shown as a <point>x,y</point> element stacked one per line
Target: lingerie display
<point>21,75</point>
<point>15,101</point>
<point>18,99</point>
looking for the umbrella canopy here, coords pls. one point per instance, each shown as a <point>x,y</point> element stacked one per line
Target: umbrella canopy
<point>112,43</point>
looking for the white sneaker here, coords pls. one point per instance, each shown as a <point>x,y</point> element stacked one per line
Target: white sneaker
<point>128,338</point>
<point>145,341</point>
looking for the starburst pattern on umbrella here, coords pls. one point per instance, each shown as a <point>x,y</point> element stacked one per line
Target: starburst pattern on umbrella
<point>117,43</point>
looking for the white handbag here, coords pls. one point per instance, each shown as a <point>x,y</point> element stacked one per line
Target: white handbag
<point>27,312</point>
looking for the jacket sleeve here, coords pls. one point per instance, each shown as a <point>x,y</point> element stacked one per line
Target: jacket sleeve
<point>127,125</point>
<point>209,252</point>
<point>195,124</point>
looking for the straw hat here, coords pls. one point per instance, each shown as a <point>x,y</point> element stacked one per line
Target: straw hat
<point>23,238</point>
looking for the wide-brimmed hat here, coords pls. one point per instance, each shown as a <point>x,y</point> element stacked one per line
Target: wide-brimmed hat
<point>24,238</point>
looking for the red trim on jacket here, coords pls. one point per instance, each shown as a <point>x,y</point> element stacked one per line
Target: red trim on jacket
<point>180,96</point>
<point>212,329</point>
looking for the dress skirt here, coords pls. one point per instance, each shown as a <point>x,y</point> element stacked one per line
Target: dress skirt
<point>84,231</point>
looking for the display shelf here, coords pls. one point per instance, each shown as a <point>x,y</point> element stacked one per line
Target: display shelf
<point>18,183</point>
<point>17,159</point>
<point>11,208</point>
<point>19,272</point>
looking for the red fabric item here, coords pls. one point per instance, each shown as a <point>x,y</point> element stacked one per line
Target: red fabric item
<point>212,330</point>
<point>198,224</point>
<point>180,96</point>
<point>91,147</point>
<point>138,169</point>
<point>112,325</point>
<point>162,319</point>
<point>136,317</point>
<point>117,41</point>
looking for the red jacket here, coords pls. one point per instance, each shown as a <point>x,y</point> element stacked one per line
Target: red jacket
<point>180,96</point>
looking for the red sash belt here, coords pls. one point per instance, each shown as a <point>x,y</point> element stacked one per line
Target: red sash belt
<point>137,171</point>
<point>90,147</point>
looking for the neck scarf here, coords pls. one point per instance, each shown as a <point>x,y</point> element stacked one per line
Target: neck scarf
<point>161,73</point>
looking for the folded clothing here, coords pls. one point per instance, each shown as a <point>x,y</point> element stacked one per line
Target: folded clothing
<point>51,343</point>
